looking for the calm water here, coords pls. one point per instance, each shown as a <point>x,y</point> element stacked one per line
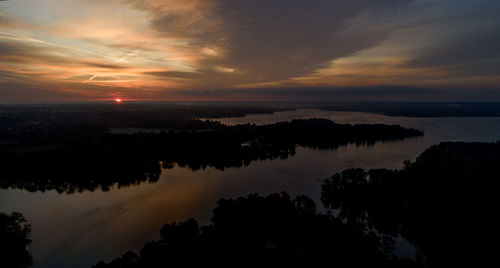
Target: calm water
<point>80,229</point>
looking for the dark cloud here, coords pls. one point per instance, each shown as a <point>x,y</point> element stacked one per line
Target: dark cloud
<point>26,53</point>
<point>173,74</point>
<point>468,48</point>
<point>8,49</point>
<point>233,44</point>
<point>25,90</point>
<point>17,52</point>
<point>11,92</point>
<point>313,91</point>
<point>465,42</point>
<point>103,65</point>
<point>279,39</point>
<point>376,93</point>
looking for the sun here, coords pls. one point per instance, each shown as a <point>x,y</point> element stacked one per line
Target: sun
<point>118,100</point>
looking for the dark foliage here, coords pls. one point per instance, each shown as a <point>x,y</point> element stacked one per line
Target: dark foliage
<point>446,203</point>
<point>159,115</point>
<point>255,231</point>
<point>83,157</point>
<point>14,237</point>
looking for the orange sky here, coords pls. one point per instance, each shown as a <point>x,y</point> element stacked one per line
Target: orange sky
<point>204,49</point>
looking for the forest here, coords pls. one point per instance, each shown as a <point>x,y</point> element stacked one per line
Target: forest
<point>123,115</point>
<point>445,204</point>
<point>77,157</point>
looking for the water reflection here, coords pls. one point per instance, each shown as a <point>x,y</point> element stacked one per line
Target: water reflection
<point>133,159</point>
<point>80,229</point>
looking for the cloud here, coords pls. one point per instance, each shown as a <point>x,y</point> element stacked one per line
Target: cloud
<point>480,45</point>
<point>14,92</point>
<point>4,20</point>
<point>275,39</point>
<point>173,74</point>
<point>102,65</point>
<point>161,48</point>
<point>465,39</point>
<point>350,93</point>
<point>309,92</point>
<point>26,56</point>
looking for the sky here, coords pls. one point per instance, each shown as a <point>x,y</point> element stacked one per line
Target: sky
<point>255,50</point>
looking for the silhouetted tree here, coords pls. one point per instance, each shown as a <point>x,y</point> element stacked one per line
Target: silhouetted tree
<point>103,159</point>
<point>445,203</point>
<point>257,231</point>
<point>14,237</point>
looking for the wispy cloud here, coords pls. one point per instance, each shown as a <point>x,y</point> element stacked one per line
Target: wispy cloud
<point>162,47</point>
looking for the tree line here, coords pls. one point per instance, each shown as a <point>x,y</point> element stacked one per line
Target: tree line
<point>445,204</point>
<point>81,157</point>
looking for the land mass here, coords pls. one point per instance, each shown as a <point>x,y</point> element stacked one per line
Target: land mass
<point>445,204</point>
<point>77,157</point>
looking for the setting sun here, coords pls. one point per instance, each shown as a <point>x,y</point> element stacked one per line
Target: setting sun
<point>237,133</point>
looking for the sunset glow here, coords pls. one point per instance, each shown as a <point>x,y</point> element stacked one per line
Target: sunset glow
<point>188,133</point>
<point>204,50</point>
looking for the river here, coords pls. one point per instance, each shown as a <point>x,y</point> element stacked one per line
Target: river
<point>77,230</point>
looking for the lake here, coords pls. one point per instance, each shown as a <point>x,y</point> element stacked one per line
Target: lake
<point>78,230</point>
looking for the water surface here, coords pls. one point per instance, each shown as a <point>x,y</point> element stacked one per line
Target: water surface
<point>80,229</point>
